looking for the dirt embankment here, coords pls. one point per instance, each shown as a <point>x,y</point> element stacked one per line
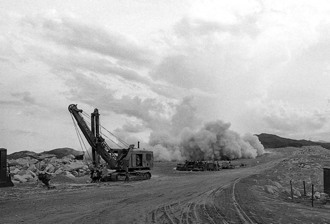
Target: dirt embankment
<point>266,197</point>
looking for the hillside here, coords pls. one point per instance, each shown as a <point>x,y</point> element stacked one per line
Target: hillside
<point>21,154</point>
<point>59,153</point>
<point>274,141</point>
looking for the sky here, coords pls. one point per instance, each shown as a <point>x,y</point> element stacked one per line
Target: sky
<point>261,66</point>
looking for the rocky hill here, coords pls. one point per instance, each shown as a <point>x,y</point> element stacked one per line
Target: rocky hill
<point>61,152</point>
<point>59,163</point>
<point>274,141</point>
<point>58,153</point>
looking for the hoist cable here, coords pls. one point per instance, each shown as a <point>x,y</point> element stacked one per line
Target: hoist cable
<point>125,144</point>
<point>81,142</point>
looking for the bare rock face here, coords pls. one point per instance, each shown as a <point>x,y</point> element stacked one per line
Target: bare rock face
<point>271,189</point>
<point>28,177</point>
<point>32,167</point>
<point>68,174</point>
<point>50,168</point>
<point>19,178</point>
<point>68,158</point>
<point>296,193</point>
<point>75,173</point>
<point>14,171</point>
<point>278,185</point>
<point>26,169</point>
<point>324,197</point>
<point>317,195</point>
<point>59,171</point>
<point>23,172</point>
<point>74,165</point>
<point>286,191</point>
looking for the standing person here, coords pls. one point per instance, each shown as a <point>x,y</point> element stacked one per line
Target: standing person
<point>95,174</point>
<point>44,177</point>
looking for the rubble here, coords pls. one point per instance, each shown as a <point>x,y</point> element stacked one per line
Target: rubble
<point>26,169</point>
<point>271,189</point>
<point>317,195</point>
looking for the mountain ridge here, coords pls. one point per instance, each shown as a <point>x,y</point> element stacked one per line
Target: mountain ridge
<point>58,152</point>
<point>275,141</point>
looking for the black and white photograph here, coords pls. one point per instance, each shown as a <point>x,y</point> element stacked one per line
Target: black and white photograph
<point>165,111</point>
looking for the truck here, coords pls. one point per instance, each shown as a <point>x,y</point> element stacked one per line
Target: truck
<point>128,163</point>
<point>198,166</point>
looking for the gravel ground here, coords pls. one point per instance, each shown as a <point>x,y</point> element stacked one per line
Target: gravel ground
<point>170,196</point>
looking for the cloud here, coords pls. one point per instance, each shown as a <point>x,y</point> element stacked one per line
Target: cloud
<point>95,93</point>
<point>208,56</point>
<point>24,132</point>
<point>24,96</point>
<point>131,128</point>
<point>62,45</point>
<point>20,99</point>
<point>72,62</point>
<point>72,34</point>
<point>263,66</point>
<point>10,102</point>
<point>281,117</point>
<point>196,27</point>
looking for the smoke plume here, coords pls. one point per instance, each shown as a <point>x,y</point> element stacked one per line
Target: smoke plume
<point>214,140</point>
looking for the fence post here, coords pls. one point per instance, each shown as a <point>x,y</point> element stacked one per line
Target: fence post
<point>291,190</point>
<point>304,188</point>
<point>312,195</point>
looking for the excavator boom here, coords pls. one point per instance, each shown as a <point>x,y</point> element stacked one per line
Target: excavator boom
<point>96,142</point>
<point>126,162</point>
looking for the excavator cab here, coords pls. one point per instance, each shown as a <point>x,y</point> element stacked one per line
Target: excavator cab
<point>141,160</point>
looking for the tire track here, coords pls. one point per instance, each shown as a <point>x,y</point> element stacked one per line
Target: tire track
<point>169,218</point>
<point>198,210</point>
<point>211,196</point>
<point>190,210</point>
<point>243,216</point>
<point>201,209</point>
<point>170,209</point>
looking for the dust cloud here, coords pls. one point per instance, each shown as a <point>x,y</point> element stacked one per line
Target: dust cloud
<point>183,136</point>
<point>213,141</point>
<point>187,138</point>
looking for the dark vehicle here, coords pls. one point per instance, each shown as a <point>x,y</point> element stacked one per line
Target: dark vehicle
<point>198,166</point>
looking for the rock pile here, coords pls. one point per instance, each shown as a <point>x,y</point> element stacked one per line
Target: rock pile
<point>306,165</point>
<point>26,169</point>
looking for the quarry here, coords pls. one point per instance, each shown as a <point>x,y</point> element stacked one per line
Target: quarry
<point>180,112</point>
<point>212,175</point>
<point>259,192</point>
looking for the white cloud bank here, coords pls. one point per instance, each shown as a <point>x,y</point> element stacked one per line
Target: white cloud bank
<point>262,66</point>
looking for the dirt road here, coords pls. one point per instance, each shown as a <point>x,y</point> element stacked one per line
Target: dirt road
<point>169,197</point>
